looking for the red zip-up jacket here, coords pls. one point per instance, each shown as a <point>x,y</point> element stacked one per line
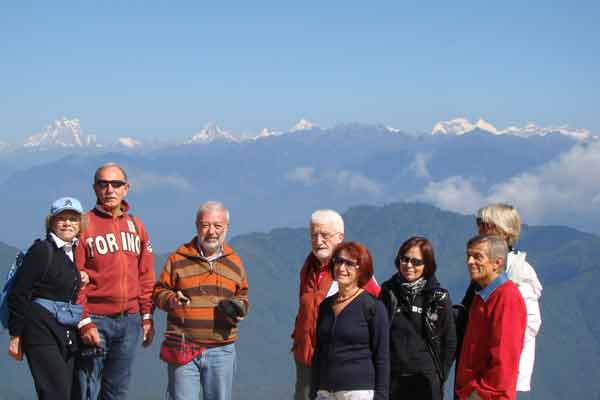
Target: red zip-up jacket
<point>117,255</point>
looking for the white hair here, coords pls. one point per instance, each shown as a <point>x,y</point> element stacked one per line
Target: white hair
<point>328,217</point>
<point>505,217</point>
<point>212,205</point>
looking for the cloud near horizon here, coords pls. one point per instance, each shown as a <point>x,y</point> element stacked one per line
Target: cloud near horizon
<point>147,181</point>
<point>567,185</point>
<point>344,179</point>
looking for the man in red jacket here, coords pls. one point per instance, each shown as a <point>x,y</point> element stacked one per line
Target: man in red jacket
<point>118,258</point>
<point>316,283</point>
<point>490,353</point>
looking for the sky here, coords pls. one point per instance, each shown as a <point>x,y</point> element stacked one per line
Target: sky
<point>157,69</point>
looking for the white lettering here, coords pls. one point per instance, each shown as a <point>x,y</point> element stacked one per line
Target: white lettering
<point>131,242</point>
<point>101,245</point>
<point>124,242</point>
<point>90,244</point>
<point>137,245</point>
<point>112,242</point>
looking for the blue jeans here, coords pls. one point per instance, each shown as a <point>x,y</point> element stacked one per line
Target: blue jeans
<point>210,373</point>
<point>110,374</point>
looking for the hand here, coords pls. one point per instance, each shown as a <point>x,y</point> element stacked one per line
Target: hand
<point>233,321</point>
<point>181,299</point>
<point>15,348</point>
<point>85,278</point>
<point>473,396</point>
<point>91,337</point>
<point>148,330</point>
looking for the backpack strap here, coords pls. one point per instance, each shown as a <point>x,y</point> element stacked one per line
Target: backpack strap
<point>369,311</point>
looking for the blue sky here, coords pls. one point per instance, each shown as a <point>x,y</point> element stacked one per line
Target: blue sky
<point>165,69</point>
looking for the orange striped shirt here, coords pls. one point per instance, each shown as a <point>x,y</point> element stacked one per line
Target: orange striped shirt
<point>205,283</point>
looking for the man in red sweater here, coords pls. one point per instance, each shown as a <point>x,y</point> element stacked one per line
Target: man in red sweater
<point>118,258</point>
<point>490,353</point>
<point>316,283</point>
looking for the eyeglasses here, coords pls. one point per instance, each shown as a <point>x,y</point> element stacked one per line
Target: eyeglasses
<point>65,218</point>
<point>325,235</point>
<point>339,261</point>
<point>415,262</point>
<point>102,184</point>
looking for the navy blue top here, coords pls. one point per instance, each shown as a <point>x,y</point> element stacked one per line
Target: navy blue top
<point>348,356</point>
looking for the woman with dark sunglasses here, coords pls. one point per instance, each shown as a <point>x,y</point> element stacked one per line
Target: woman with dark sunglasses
<point>351,358</point>
<point>422,334</point>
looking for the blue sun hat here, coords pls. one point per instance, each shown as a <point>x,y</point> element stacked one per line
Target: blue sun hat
<point>66,204</point>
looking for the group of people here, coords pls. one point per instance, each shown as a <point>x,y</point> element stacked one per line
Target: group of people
<point>355,341</point>
<point>82,303</point>
<point>98,267</point>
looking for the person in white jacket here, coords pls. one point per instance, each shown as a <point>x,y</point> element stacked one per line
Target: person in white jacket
<point>504,220</point>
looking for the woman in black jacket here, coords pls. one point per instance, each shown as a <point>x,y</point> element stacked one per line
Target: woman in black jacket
<point>422,334</point>
<point>48,274</point>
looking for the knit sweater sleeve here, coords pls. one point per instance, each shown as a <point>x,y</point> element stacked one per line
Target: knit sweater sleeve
<point>163,294</point>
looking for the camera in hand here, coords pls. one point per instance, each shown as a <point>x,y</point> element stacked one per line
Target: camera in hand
<point>232,308</point>
<point>91,351</point>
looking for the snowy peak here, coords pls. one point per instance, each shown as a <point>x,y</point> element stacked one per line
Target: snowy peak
<point>303,125</point>
<point>61,133</point>
<point>128,142</point>
<point>532,129</point>
<point>461,126</point>
<point>210,133</point>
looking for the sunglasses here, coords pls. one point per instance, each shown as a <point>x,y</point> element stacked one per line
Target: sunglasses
<point>102,184</point>
<point>415,262</point>
<point>338,261</point>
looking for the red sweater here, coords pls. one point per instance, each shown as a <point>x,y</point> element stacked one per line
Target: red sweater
<point>489,359</point>
<point>117,255</point>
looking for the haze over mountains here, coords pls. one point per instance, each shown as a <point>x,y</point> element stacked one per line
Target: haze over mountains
<point>276,178</point>
<point>565,259</point>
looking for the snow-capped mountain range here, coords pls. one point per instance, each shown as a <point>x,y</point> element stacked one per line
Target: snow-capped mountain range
<point>61,133</point>
<point>462,126</point>
<point>67,134</point>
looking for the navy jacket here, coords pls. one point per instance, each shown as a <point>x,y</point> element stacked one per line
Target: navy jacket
<point>349,355</point>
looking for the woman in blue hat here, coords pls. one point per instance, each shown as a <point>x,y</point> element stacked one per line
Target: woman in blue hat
<point>43,316</point>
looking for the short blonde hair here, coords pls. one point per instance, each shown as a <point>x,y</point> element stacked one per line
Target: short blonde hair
<point>504,217</point>
<point>328,217</point>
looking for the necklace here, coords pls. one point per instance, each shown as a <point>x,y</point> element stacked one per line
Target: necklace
<point>339,299</point>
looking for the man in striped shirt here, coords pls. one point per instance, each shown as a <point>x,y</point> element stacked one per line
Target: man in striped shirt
<point>203,288</point>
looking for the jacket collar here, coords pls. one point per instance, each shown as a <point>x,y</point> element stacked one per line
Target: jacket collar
<point>487,291</point>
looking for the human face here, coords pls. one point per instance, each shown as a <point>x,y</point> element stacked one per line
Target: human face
<point>345,269</point>
<point>409,271</point>
<point>323,240</point>
<point>482,269</point>
<point>212,228</point>
<point>66,225</point>
<point>110,197</point>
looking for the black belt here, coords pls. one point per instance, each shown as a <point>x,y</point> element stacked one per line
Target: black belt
<point>118,315</point>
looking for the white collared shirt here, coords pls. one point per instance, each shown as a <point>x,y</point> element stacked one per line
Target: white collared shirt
<point>66,246</point>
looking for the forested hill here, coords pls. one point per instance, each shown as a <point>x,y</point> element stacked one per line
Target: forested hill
<point>566,260</point>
